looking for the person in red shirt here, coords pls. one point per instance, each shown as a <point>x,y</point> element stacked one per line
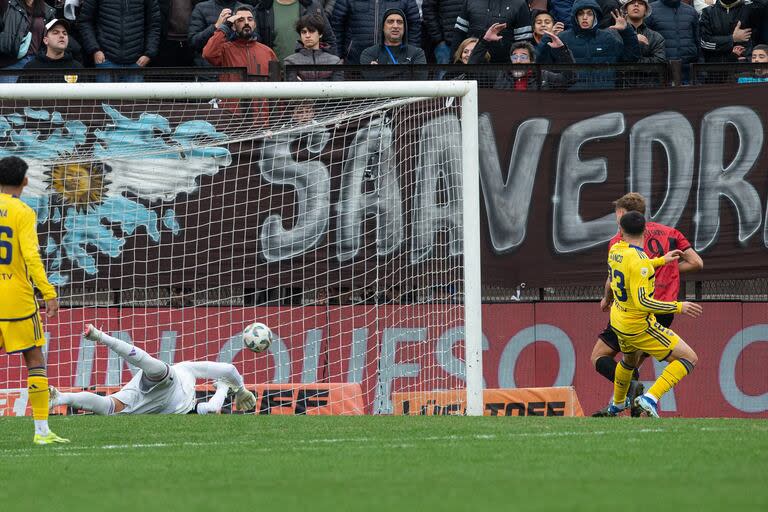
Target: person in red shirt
<point>659,240</point>
<point>234,44</point>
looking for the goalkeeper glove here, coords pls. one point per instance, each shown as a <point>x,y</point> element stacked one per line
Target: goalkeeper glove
<point>244,400</point>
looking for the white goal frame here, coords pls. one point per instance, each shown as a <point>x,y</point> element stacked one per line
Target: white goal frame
<point>466,90</point>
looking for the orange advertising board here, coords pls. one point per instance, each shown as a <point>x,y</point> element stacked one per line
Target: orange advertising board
<point>554,401</point>
<point>281,399</point>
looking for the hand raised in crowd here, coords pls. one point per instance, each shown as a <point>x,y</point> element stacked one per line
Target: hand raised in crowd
<point>619,21</point>
<point>642,39</point>
<point>558,27</point>
<point>493,33</point>
<point>98,57</point>
<point>741,35</point>
<point>738,50</point>
<point>555,41</point>
<point>223,15</point>
<point>143,61</point>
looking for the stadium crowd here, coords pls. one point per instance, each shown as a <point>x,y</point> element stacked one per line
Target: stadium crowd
<point>255,33</point>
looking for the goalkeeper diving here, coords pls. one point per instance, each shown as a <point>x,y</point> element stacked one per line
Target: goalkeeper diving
<point>158,388</point>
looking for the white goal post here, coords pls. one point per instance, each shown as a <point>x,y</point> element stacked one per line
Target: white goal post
<point>136,245</point>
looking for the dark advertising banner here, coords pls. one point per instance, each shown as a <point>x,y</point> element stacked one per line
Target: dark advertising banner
<point>553,163</point>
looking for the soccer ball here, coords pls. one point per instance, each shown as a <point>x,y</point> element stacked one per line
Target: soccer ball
<point>257,337</point>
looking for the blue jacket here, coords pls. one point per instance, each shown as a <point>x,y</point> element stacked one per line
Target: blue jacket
<point>593,46</point>
<point>678,23</point>
<point>561,11</point>
<point>357,24</point>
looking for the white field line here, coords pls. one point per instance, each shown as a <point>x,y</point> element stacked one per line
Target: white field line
<point>302,444</point>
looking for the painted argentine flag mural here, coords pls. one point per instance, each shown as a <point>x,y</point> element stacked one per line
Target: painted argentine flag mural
<point>99,198</point>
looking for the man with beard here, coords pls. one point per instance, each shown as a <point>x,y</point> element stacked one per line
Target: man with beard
<point>234,44</point>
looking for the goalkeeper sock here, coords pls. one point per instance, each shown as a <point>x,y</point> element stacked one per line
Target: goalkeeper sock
<point>672,374</point>
<point>37,388</point>
<point>97,404</point>
<point>154,369</point>
<point>624,374</point>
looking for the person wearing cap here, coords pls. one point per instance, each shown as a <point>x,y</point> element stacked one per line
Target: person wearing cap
<point>652,48</point>
<point>23,27</point>
<point>54,55</point>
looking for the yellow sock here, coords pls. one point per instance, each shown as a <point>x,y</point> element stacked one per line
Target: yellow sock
<point>37,386</point>
<point>673,373</point>
<point>621,382</point>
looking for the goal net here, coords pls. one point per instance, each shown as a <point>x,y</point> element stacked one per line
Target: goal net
<point>342,215</point>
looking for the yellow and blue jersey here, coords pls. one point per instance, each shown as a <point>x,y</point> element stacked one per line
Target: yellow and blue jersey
<point>632,276</point>
<point>20,262</point>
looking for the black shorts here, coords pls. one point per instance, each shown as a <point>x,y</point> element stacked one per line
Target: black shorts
<point>608,336</point>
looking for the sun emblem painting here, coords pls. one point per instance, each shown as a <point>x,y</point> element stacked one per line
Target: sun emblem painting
<point>79,184</point>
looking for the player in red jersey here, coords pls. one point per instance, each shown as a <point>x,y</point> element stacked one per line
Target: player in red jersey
<point>659,240</point>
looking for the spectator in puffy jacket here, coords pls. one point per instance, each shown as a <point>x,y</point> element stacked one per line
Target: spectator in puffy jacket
<point>276,20</point>
<point>311,35</point>
<point>23,28</point>
<point>592,45</point>
<point>394,50</point>
<point>119,33</point>
<point>53,55</point>
<point>520,76</point>
<point>357,24</point>
<point>439,18</point>
<point>477,15</point>
<point>727,29</point>
<point>206,17</point>
<point>678,24</point>
<point>561,11</point>
<point>651,42</point>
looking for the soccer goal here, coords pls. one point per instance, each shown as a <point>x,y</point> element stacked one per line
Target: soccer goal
<point>345,216</point>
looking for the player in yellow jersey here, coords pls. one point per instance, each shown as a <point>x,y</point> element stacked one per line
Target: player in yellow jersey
<point>632,276</point>
<point>21,330</point>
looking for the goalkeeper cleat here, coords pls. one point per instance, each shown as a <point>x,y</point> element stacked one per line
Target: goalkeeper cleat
<point>647,405</point>
<point>614,410</point>
<point>53,397</point>
<point>50,438</point>
<point>92,333</point>
<point>636,389</point>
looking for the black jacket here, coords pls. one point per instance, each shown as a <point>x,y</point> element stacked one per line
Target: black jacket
<point>388,55</point>
<point>507,80</point>
<point>654,52</point>
<point>15,25</point>
<point>41,61</point>
<point>717,23</point>
<point>439,19</point>
<point>123,29</point>
<point>357,24</point>
<point>477,15</point>
<point>678,24</point>
<point>265,22</point>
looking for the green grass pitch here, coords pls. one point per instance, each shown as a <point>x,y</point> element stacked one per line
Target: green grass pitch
<point>275,464</point>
